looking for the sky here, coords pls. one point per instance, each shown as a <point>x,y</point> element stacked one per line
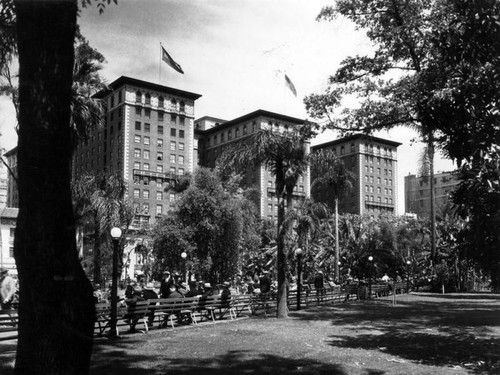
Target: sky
<point>234,53</point>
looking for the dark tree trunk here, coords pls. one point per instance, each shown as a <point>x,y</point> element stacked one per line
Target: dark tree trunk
<point>282,309</point>
<point>97,252</point>
<point>56,308</point>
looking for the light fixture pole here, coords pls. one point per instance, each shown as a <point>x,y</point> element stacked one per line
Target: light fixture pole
<point>184,257</point>
<point>408,267</point>
<point>298,254</point>
<point>116,233</point>
<point>370,259</point>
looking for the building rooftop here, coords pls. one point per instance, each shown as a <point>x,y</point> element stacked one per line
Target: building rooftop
<point>369,138</point>
<point>123,80</point>
<point>254,114</point>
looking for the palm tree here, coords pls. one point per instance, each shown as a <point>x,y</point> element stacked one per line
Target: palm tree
<point>99,205</point>
<point>333,180</point>
<point>284,155</point>
<point>86,110</point>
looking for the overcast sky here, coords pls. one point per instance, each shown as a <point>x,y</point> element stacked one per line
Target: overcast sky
<point>233,53</point>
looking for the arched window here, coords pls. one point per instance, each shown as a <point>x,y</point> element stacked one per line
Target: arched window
<point>182,107</point>
<point>173,104</point>
<point>161,102</point>
<point>138,97</point>
<point>148,99</point>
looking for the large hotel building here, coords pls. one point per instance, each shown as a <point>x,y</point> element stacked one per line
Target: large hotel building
<point>373,161</point>
<point>147,138</point>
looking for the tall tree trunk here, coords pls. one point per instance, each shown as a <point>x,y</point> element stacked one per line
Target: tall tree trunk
<point>430,149</point>
<point>282,310</point>
<point>97,252</point>
<point>56,308</point>
<point>337,252</point>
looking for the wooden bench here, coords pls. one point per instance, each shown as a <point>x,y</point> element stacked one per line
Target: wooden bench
<point>9,320</point>
<point>124,316</point>
<point>264,301</point>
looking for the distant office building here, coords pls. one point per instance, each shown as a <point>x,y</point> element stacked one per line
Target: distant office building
<point>148,139</point>
<point>418,192</point>
<point>8,219</point>
<point>215,134</point>
<point>12,191</point>
<point>374,163</point>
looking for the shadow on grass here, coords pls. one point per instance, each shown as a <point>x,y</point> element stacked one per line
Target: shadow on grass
<point>432,332</point>
<point>119,359</point>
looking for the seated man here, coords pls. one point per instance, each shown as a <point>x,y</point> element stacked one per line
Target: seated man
<point>131,302</point>
<point>150,294</point>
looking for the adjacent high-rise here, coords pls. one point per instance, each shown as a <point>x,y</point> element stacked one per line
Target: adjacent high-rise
<point>373,161</point>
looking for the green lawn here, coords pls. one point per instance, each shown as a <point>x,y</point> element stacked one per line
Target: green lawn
<point>422,334</point>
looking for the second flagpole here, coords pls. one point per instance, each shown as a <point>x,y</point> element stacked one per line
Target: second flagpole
<point>159,67</point>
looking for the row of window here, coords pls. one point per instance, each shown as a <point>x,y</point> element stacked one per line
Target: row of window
<point>173,104</point>
<point>379,180</point>
<point>159,167</point>
<point>145,154</point>
<point>160,116</point>
<point>386,151</point>
<point>221,137</point>
<point>146,128</point>
<point>370,159</point>
<point>371,198</point>
<point>159,142</point>
<point>369,169</point>
<point>145,194</point>
<point>370,189</point>
<point>144,208</point>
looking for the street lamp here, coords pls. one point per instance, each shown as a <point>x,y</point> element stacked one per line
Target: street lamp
<point>408,264</point>
<point>298,254</point>
<point>184,257</point>
<point>116,233</point>
<point>370,259</point>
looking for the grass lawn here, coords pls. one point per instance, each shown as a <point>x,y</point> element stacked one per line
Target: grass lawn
<point>422,334</point>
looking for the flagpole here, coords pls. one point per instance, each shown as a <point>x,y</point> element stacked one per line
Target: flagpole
<point>159,67</point>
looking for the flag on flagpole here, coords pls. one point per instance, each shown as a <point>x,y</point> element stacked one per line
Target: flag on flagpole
<point>170,61</point>
<point>290,85</point>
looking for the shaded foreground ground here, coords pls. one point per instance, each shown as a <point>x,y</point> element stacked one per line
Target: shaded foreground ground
<point>422,334</point>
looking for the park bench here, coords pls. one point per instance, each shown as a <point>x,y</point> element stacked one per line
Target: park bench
<point>9,320</point>
<point>264,301</point>
<point>380,290</point>
<point>124,315</point>
<point>240,303</point>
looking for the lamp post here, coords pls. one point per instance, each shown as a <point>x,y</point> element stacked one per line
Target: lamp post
<point>184,257</point>
<point>408,265</point>
<point>370,259</point>
<point>298,254</point>
<point>116,233</point>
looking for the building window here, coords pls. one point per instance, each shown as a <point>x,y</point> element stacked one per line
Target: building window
<point>378,170</point>
<point>379,190</point>
<point>138,97</point>
<point>172,145</point>
<point>159,183</point>
<point>390,172</point>
<point>147,127</point>
<point>367,198</point>
<point>390,200</point>
<point>160,129</point>
<point>159,168</point>
<point>173,132</point>
<point>180,159</point>
<point>371,189</point>
<point>182,107</point>
<point>146,154</point>
<point>145,208</point>
<point>390,191</point>
<point>367,188</point>
<point>137,165</point>
<point>229,135</point>
<point>146,166</point>
<point>137,139</point>
<point>371,169</point>
<point>171,197</point>
<point>182,120</point>
<point>148,99</point>
<point>159,195</point>
<point>159,209</point>
<point>385,181</point>
<point>160,116</point>
<point>145,194</point>
<point>342,150</point>
<point>146,140</point>
<point>180,171</point>
<point>181,146</point>
<point>172,170</point>
<point>172,158</point>
<point>371,198</point>
<point>147,113</point>
<point>173,118</point>
<point>137,125</point>
<point>244,129</point>
<point>137,153</point>
<point>159,142</point>
<point>161,102</point>
<point>379,199</point>
<point>138,111</point>
<point>371,178</point>
<point>222,137</point>
<point>181,133</point>
<point>137,193</point>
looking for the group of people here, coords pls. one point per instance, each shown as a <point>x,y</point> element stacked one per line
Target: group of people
<point>8,290</point>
